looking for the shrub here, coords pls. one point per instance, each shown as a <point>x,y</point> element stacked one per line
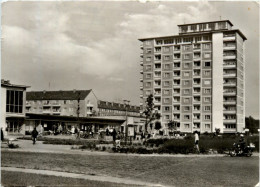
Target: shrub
<point>13,146</point>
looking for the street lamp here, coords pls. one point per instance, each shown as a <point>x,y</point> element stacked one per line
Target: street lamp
<point>126,102</point>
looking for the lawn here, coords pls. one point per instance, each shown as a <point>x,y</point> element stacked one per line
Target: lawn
<point>26,179</point>
<point>178,171</point>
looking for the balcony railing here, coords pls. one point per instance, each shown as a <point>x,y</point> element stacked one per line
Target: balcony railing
<point>229,121</point>
<point>229,102</point>
<point>229,66</point>
<point>231,130</point>
<point>229,74</point>
<point>231,84</point>
<point>229,57</point>
<point>229,38</point>
<point>226,48</point>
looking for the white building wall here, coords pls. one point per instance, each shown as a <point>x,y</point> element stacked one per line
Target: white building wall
<point>217,81</point>
<point>3,108</point>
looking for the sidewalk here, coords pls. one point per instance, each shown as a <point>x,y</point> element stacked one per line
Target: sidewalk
<point>80,176</point>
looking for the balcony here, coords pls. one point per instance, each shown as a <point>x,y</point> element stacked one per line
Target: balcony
<point>141,80</point>
<point>227,48</point>
<point>229,111</point>
<point>141,71</point>
<point>56,112</point>
<point>141,87</point>
<point>157,85</point>
<point>157,93</point>
<point>230,93</point>
<point>227,102</point>
<point>230,84</point>
<point>229,57</point>
<point>141,62</point>
<point>228,121</point>
<point>142,46</point>
<point>229,66</point>
<point>141,95</point>
<point>226,130</point>
<point>46,111</point>
<point>225,75</point>
<point>229,38</point>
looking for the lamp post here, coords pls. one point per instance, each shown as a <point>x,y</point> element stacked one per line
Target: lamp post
<point>126,102</point>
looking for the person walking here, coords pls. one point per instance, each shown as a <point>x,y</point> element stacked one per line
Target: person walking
<point>197,141</point>
<point>114,135</point>
<point>2,134</point>
<point>34,135</point>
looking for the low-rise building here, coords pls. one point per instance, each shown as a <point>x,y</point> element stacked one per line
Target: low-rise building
<point>12,107</point>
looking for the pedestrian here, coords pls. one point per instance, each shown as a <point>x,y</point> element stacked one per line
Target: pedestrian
<point>76,132</point>
<point>34,135</point>
<point>197,141</point>
<point>2,134</point>
<point>107,132</point>
<point>114,135</point>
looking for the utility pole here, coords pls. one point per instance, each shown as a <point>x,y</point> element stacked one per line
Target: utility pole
<point>126,102</point>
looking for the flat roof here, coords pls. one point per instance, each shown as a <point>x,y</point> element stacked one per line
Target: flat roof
<point>6,83</point>
<point>33,116</point>
<point>207,22</point>
<point>194,33</point>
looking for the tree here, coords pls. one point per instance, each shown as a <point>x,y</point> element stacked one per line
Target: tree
<point>252,124</point>
<point>157,125</point>
<point>149,113</point>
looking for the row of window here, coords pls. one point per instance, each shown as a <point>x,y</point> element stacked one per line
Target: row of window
<point>48,102</point>
<point>177,82</point>
<point>177,48</point>
<point>188,108</point>
<point>187,56</point>
<point>187,117</point>
<point>196,64</point>
<point>14,101</point>
<point>185,99</point>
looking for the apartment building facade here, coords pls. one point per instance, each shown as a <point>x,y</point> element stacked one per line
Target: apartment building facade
<point>77,103</point>
<point>197,77</point>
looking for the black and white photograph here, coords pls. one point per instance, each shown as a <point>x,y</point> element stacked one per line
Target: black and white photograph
<point>130,93</point>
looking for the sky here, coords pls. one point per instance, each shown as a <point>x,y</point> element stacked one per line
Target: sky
<point>94,45</point>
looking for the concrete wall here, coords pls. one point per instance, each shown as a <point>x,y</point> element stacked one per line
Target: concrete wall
<point>217,81</point>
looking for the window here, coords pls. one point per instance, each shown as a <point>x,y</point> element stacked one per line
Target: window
<point>188,39</point>
<point>186,65</point>
<point>149,51</point>
<point>166,66</point>
<point>166,57</point>
<point>207,90</point>
<point>158,49</point>
<point>148,68</point>
<point>166,49</point>
<point>166,100</point>
<point>207,82</point>
<point>206,46</point>
<point>159,42</point>
<point>207,55</point>
<point>212,26</point>
<point>148,92</point>
<point>207,126</point>
<point>178,40</point>
<point>148,59</point>
<point>166,83</point>
<point>187,56</point>
<point>170,41</point>
<point>207,108</point>
<point>186,108</point>
<point>167,108</point>
<point>186,47</point>
<point>198,39</point>
<point>193,27</point>
<point>186,100</point>
<point>148,75</point>
<point>207,99</point>
<point>166,75</point>
<point>166,117</point>
<point>207,117</point>
<point>14,101</point>
<point>148,84</point>
<point>207,64</point>
<point>186,74</point>
<point>186,126</point>
<point>166,92</point>
<point>186,91</point>
<point>186,117</point>
<point>207,73</point>
<point>148,42</point>
<point>186,82</point>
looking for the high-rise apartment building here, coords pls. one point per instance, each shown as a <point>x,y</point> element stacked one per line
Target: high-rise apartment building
<point>197,77</point>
